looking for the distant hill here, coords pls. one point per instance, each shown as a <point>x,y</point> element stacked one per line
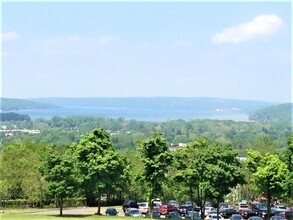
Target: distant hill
<point>280,113</point>
<point>11,116</point>
<point>162,103</point>
<point>7,104</point>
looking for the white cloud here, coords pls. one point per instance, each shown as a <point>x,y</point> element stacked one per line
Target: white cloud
<point>260,26</point>
<point>8,36</point>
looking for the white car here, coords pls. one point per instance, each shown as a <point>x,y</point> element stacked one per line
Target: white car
<point>279,208</point>
<point>157,202</point>
<point>143,207</point>
<point>208,210</point>
<point>214,216</point>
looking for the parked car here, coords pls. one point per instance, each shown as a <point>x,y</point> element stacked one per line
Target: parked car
<point>174,203</point>
<point>183,209</point>
<point>111,211</point>
<point>256,206</point>
<point>165,208</point>
<point>157,202</point>
<point>174,215</point>
<point>196,215</point>
<point>213,216</point>
<point>129,204</point>
<point>190,203</point>
<point>279,208</point>
<point>288,214</point>
<point>134,212</point>
<point>262,212</point>
<point>156,214</point>
<point>223,205</point>
<point>143,207</point>
<point>246,213</point>
<point>236,217</point>
<point>209,209</point>
<point>242,206</point>
<point>277,217</point>
<point>228,212</point>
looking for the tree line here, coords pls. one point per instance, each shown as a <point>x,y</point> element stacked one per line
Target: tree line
<point>125,133</point>
<point>92,169</point>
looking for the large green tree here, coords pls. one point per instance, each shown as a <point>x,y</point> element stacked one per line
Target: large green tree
<point>58,170</point>
<point>269,176</point>
<point>223,171</point>
<point>209,170</point>
<point>156,159</point>
<point>288,159</point>
<point>100,166</point>
<point>19,171</point>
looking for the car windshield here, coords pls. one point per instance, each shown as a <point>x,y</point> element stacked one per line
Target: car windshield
<point>134,211</point>
<point>281,207</point>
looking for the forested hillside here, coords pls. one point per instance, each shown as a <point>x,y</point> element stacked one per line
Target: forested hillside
<point>278,113</point>
<point>11,116</point>
<point>7,104</point>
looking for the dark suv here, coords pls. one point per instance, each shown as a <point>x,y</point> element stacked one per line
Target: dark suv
<point>129,204</point>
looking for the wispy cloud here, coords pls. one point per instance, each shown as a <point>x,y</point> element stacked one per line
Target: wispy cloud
<point>8,36</point>
<point>75,43</point>
<point>260,26</point>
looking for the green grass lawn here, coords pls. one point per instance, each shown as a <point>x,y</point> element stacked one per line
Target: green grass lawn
<point>25,214</point>
<point>67,217</point>
<point>22,216</point>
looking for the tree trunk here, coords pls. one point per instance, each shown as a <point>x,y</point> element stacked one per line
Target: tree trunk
<point>41,196</point>
<point>218,213</point>
<point>269,197</point>
<point>150,201</point>
<point>61,206</point>
<point>191,198</point>
<point>99,204</point>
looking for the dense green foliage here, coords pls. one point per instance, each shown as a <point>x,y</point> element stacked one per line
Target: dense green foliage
<point>101,169</point>
<point>268,174</point>
<point>208,170</point>
<point>156,159</point>
<point>93,169</point>
<point>125,133</point>
<point>58,171</point>
<point>103,160</point>
<point>279,113</point>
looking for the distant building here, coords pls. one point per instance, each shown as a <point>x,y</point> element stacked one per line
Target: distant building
<point>176,146</point>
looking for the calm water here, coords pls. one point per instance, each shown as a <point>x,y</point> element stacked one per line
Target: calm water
<point>129,113</point>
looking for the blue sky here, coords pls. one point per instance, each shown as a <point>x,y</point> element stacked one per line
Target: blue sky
<point>239,50</point>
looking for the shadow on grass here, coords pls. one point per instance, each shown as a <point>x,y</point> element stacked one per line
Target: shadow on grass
<point>72,216</point>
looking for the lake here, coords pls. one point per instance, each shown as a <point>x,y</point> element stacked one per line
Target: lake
<point>139,114</point>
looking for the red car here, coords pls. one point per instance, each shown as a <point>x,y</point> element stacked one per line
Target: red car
<point>165,208</point>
